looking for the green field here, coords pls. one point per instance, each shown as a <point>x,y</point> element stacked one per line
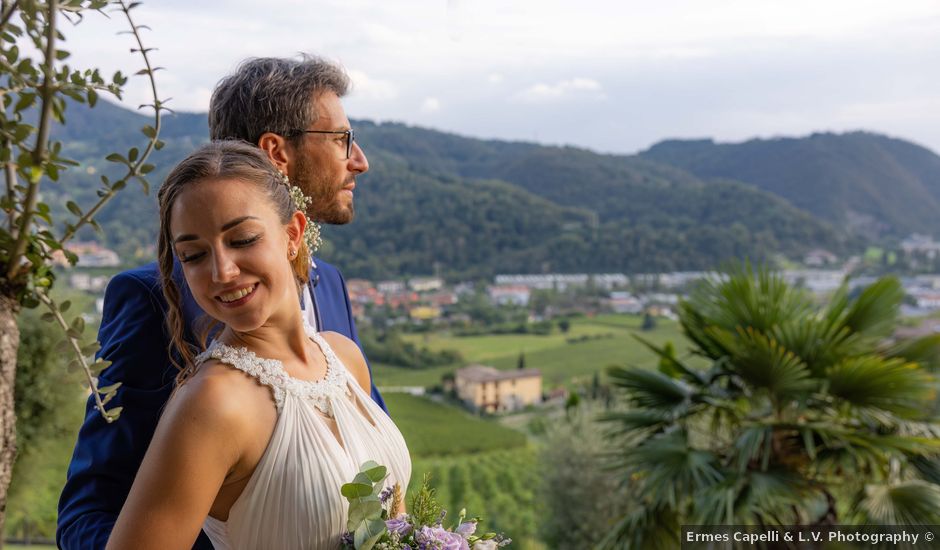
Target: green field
<point>560,360</point>
<point>432,429</point>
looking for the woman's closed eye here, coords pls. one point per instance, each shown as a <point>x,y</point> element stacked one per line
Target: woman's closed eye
<point>186,257</point>
<point>248,241</point>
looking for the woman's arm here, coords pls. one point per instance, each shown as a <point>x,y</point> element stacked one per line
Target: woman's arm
<point>196,444</point>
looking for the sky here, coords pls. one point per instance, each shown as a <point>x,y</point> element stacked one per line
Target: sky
<point>611,76</point>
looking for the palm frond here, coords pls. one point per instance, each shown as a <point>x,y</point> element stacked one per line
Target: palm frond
<point>924,350</point>
<point>762,362</point>
<point>928,467</point>
<point>906,503</point>
<point>816,341</point>
<point>653,528</point>
<point>875,312</point>
<point>646,388</point>
<point>775,493</point>
<point>669,364</point>
<point>749,445</point>
<point>890,384</point>
<point>670,469</point>
<point>745,299</point>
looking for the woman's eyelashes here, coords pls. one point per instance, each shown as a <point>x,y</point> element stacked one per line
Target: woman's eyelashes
<point>186,257</point>
<point>248,241</point>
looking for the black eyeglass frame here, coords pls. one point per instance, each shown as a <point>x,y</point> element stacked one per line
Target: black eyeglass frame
<point>350,137</point>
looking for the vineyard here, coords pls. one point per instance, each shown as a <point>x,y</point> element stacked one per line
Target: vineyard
<point>498,486</point>
<point>474,463</point>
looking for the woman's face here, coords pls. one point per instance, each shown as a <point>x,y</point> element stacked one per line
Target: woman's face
<point>234,252</point>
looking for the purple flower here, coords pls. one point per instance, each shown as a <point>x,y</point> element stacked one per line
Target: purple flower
<point>398,525</point>
<point>437,538</point>
<point>346,539</point>
<point>466,529</point>
<point>385,494</point>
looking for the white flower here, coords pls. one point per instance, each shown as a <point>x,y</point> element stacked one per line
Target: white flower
<point>485,545</point>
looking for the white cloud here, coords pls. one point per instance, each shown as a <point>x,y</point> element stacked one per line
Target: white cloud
<point>430,105</point>
<point>565,89</point>
<point>494,78</point>
<point>375,89</point>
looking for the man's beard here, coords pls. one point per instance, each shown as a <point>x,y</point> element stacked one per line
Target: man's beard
<point>325,206</point>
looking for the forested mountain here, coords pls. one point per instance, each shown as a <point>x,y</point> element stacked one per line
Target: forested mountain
<point>465,208</point>
<point>871,184</point>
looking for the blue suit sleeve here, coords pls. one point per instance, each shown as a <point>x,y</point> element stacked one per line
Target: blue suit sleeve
<point>354,335</point>
<point>107,456</point>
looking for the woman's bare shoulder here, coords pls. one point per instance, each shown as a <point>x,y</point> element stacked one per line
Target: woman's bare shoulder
<point>221,394</point>
<point>351,356</point>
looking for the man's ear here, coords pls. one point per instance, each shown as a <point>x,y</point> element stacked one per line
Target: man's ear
<point>277,148</point>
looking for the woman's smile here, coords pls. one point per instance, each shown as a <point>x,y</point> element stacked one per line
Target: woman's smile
<point>237,297</point>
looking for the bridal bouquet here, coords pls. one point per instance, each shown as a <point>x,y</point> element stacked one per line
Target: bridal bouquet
<point>376,520</point>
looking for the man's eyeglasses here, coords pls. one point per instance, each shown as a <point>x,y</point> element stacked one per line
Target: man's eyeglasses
<point>348,135</point>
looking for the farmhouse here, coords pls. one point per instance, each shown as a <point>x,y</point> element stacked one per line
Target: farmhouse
<point>491,390</point>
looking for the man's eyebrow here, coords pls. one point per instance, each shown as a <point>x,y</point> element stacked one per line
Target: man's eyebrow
<point>226,227</point>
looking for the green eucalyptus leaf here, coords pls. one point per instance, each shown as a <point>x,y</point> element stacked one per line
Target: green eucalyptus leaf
<point>356,490</point>
<point>361,511</point>
<point>368,533</point>
<point>374,472</point>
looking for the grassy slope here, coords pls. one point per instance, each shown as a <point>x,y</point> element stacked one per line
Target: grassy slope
<point>559,360</point>
<point>433,429</point>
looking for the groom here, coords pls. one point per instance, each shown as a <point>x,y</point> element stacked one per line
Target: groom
<point>291,109</point>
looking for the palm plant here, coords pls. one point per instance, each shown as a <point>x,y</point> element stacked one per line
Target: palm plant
<point>802,415</point>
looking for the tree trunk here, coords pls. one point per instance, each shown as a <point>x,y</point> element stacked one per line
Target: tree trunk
<point>9,343</point>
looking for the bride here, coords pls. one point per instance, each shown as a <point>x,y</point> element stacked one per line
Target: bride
<point>271,418</point>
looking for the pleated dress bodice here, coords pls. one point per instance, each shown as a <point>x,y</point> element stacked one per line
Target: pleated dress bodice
<point>293,500</point>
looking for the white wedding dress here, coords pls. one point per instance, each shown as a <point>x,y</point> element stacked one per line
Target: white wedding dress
<point>293,500</point>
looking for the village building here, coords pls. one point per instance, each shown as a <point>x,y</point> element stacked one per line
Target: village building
<point>491,390</point>
<point>90,254</point>
<point>517,295</point>
<point>425,284</point>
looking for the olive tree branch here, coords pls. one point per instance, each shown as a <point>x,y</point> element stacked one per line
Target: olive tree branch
<point>9,172</point>
<point>72,337</point>
<point>39,152</point>
<point>7,13</point>
<point>136,167</point>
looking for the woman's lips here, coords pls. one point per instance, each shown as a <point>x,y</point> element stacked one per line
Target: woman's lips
<point>237,297</point>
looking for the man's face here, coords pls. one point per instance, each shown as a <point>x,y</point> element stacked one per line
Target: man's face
<point>319,166</point>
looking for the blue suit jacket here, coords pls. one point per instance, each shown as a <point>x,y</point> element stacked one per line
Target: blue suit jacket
<point>133,336</point>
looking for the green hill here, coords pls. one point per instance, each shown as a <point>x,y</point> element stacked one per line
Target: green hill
<point>871,184</point>
<point>468,208</point>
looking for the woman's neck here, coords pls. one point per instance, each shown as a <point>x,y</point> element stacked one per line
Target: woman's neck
<point>282,338</point>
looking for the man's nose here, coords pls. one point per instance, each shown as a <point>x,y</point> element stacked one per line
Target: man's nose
<point>358,162</point>
<point>224,268</point>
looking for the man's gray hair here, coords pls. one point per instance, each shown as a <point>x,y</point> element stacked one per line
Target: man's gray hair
<point>272,94</point>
